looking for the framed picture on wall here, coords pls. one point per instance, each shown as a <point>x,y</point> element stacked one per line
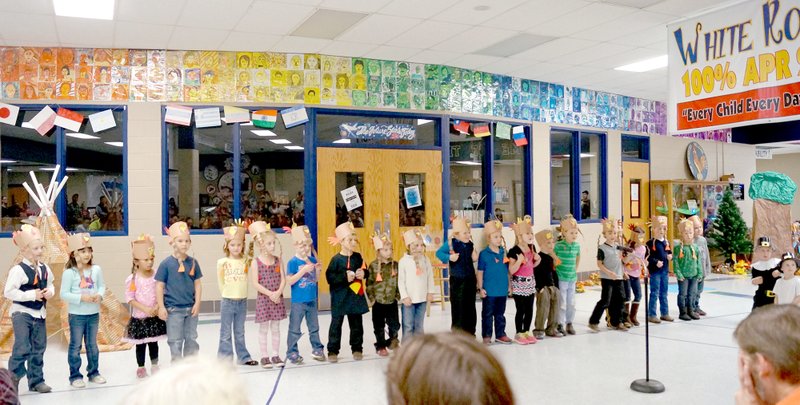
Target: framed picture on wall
<point>636,203</point>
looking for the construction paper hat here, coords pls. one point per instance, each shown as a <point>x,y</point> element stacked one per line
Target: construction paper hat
<point>567,223</point>
<point>543,237</point>
<point>342,231</point>
<point>764,241</point>
<point>789,256</point>
<point>523,225</point>
<point>609,224</point>
<point>696,221</point>
<point>235,232</point>
<point>460,224</point>
<point>78,241</point>
<point>412,235</point>
<point>179,228</point>
<point>143,248</point>
<point>258,227</point>
<point>381,240</point>
<point>301,234</point>
<point>492,227</point>
<point>25,235</point>
<point>659,219</point>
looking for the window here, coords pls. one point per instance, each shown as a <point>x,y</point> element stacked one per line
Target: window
<point>94,197</point>
<point>387,130</point>
<point>204,164</point>
<point>412,207</point>
<point>577,186</point>
<point>350,198</point>
<point>635,147</point>
<point>467,196</point>
<point>508,180</point>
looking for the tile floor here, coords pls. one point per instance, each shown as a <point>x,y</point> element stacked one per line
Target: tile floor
<point>695,360</point>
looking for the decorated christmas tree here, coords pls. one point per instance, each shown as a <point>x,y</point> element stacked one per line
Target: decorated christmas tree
<point>729,233</point>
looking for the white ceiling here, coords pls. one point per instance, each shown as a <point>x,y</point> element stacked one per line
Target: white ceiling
<point>590,37</point>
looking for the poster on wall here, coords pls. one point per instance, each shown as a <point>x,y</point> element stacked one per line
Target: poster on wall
<point>351,198</point>
<point>734,66</point>
<point>413,198</point>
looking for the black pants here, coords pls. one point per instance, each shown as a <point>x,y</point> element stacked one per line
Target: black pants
<point>612,297</point>
<point>524,315</point>
<point>462,303</point>
<point>140,349</point>
<point>385,315</point>
<point>761,299</point>
<point>356,325</point>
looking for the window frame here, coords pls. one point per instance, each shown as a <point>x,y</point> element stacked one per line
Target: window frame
<point>645,148</point>
<point>438,120</point>
<point>60,204</point>
<point>575,173</point>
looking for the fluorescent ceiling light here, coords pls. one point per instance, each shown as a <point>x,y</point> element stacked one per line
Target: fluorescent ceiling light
<point>6,161</point>
<point>583,155</point>
<point>514,45</point>
<point>79,135</point>
<point>263,132</point>
<point>52,169</point>
<point>345,140</point>
<point>94,9</point>
<point>246,124</point>
<point>27,125</point>
<point>327,24</point>
<point>280,141</point>
<point>294,147</point>
<point>423,122</point>
<point>646,65</point>
<point>467,162</point>
<point>117,144</point>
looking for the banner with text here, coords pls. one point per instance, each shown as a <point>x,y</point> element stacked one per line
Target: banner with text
<point>736,66</point>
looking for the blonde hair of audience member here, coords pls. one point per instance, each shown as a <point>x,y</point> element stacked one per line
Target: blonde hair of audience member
<point>197,380</point>
<point>446,368</point>
<point>769,349</point>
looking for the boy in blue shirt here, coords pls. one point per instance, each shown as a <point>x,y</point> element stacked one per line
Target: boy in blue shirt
<point>302,273</point>
<point>493,284</point>
<point>178,292</point>
<point>461,255</point>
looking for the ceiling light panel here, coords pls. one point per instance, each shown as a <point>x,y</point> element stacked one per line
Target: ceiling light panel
<point>514,45</point>
<point>327,24</point>
<point>91,9</point>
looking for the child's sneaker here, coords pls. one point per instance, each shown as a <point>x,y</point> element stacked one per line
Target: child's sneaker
<point>560,328</point>
<point>394,344</point>
<point>276,361</point>
<point>333,357</point>
<point>358,355</point>
<point>621,327</point>
<point>318,355</point>
<point>594,328</point>
<point>570,330</point>
<point>154,369</point>
<point>504,340</point>
<point>538,334</point>
<point>265,363</point>
<point>383,352</point>
<point>43,388</point>
<point>78,383</point>
<point>554,333</point>
<point>98,379</point>
<point>141,372</point>
<point>295,359</point>
<point>487,341</point>
<point>531,339</point>
<point>520,339</point>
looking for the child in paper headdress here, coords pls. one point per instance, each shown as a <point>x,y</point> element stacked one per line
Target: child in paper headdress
<point>547,292</point>
<point>687,270</point>
<point>636,268</point>
<point>765,270</point>
<point>522,258</point>
<point>611,277</point>
<point>493,284</point>
<point>705,259</point>
<point>29,286</point>
<point>82,287</point>
<point>461,255</point>
<point>232,279</point>
<point>346,274</point>
<point>269,280</point>
<point>302,273</point>
<point>178,292</point>
<point>383,293</point>
<point>145,328</point>
<point>568,251</point>
<point>787,288</point>
<point>659,254</point>
<point>415,282</point>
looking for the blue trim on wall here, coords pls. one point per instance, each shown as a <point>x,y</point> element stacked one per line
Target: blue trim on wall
<point>528,173</point>
<point>237,168</point>
<point>444,141</point>
<point>488,175</point>
<point>603,175</point>
<point>164,172</point>
<point>310,175</point>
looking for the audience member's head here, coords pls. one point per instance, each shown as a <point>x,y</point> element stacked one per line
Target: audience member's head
<point>446,368</point>
<point>196,380</point>
<point>769,354</point>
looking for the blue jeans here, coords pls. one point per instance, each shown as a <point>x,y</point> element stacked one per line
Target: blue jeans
<point>299,311</point>
<point>232,314</point>
<point>699,291</point>
<point>83,329</point>
<point>30,341</point>
<point>493,312</point>
<point>181,332</point>
<point>659,283</point>
<point>566,301</point>
<point>413,319</point>
<point>687,293</point>
<point>633,285</point>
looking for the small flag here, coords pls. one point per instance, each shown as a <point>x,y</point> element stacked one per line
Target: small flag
<point>102,121</point>
<point>518,133</point>
<point>207,117</point>
<point>502,130</point>
<point>236,114</point>
<point>9,114</point>
<point>43,121</point>
<point>461,126</point>
<point>178,115</point>
<point>69,119</point>
<point>481,130</point>
<point>294,116</point>
<point>265,118</point>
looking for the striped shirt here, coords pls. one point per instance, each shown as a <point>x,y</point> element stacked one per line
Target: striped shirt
<point>568,253</point>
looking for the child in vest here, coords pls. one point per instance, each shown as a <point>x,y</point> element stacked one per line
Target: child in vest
<point>522,258</point>
<point>705,259</point>
<point>383,293</point>
<point>232,279</point>
<point>687,270</point>
<point>345,274</point>
<point>765,270</point>
<point>611,276</point>
<point>145,328</point>
<point>659,255</point>
<point>493,284</point>
<point>82,287</point>
<point>568,251</point>
<point>29,285</point>
<point>302,273</point>
<point>461,255</point>
<point>178,292</point>
<point>634,267</point>
<point>547,292</point>
<point>268,279</point>
<point>415,282</point>
<point>787,288</point>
